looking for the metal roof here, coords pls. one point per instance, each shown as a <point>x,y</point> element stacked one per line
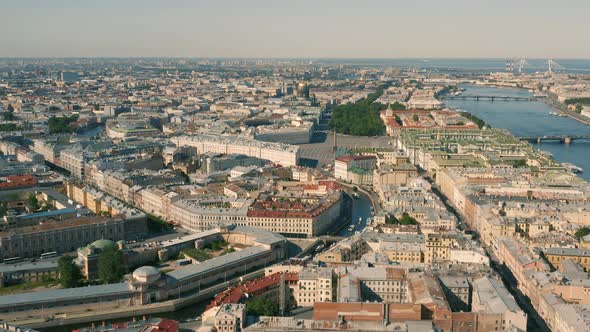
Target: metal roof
<point>38,298</point>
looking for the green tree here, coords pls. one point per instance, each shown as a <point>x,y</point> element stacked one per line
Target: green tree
<point>479,122</point>
<point>8,126</point>
<point>8,116</point>
<point>69,274</point>
<point>110,265</point>
<point>61,124</point>
<point>580,233</point>
<point>33,202</point>
<point>397,106</point>
<point>407,220</point>
<point>391,220</point>
<point>361,118</point>
<point>582,101</point>
<point>262,306</point>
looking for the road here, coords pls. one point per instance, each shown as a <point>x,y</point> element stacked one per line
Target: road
<point>562,108</point>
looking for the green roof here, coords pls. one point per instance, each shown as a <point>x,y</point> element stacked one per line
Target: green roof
<point>103,244</point>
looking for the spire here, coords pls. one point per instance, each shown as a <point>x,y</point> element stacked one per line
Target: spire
<point>389,111</point>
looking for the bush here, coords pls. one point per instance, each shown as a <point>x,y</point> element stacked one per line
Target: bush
<point>197,254</point>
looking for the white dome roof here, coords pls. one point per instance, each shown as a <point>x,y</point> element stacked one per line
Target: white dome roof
<point>146,272</point>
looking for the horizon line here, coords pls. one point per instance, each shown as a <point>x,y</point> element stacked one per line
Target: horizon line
<point>290,58</point>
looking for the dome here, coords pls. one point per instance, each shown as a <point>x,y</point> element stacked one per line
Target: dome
<point>146,274</point>
<point>103,244</point>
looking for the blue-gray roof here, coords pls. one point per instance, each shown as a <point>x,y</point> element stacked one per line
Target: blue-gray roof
<point>40,265</point>
<point>47,213</point>
<point>53,295</point>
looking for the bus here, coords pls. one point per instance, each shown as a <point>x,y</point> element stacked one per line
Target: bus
<point>48,254</point>
<point>11,260</point>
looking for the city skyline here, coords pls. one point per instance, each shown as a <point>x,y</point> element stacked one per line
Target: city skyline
<point>262,29</point>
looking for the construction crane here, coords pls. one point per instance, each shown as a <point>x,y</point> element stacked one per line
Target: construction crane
<point>521,65</point>
<point>510,66</point>
<point>552,65</point>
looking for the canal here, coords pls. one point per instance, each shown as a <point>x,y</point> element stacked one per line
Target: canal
<point>529,118</point>
<point>361,210</point>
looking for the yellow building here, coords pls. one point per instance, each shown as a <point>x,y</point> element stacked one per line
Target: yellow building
<point>556,255</point>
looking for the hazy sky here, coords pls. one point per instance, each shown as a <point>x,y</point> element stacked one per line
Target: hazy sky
<point>289,28</point>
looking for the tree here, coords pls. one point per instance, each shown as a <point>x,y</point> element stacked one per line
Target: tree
<point>361,118</point>
<point>8,126</point>
<point>33,202</point>
<point>61,124</point>
<point>69,274</point>
<point>397,106</point>
<point>8,116</point>
<point>580,233</point>
<point>262,306</point>
<point>479,122</point>
<point>110,265</point>
<point>582,101</point>
<point>391,220</point>
<point>407,220</point>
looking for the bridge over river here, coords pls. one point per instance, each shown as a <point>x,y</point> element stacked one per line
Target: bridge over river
<point>556,138</point>
<point>490,98</point>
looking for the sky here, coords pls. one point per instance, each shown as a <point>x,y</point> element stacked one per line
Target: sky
<point>296,29</point>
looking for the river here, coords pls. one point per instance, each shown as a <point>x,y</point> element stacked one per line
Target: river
<point>529,118</point>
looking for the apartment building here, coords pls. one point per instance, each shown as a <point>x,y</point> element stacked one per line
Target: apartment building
<point>314,285</point>
<point>556,255</point>
<point>490,296</point>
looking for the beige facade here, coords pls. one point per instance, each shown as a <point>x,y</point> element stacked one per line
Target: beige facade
<point>438,248</point>
<point>73,161</point>
<point>286,155</point>
<point>59,236</point>
<point>314,285</point>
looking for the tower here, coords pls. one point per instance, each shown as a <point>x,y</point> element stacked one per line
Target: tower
<point>335,140</point>
<point>389,111</point>
<point>282,295</point>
